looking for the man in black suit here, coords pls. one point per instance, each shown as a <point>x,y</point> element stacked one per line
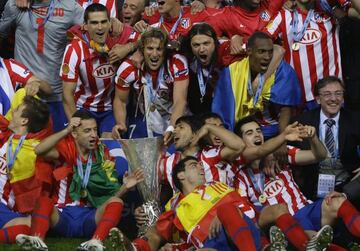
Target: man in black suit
<point>339,130</point>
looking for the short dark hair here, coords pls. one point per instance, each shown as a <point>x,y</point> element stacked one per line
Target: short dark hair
<point>83,115</point>
<point>37,112</point>
<point>203,29</point>
<point>257,35</point>
<point>325,81</point>
<point>95,7</point>
<point>210,115</point>
<point>194,123</point>
<point>178,168</point>
<point>243,121</point>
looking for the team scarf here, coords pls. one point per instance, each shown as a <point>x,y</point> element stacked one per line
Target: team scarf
<point>102,182</point>
<point>231,97</point>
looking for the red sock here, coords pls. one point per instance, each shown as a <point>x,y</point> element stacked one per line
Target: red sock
<point>40,218</point>
<point>334,247</point>
<point>109,219</point>
<point>8,234</point>
<point>351,217</point>
<point>141,245</point>
<point>293,231</point>
<point>236,227</point>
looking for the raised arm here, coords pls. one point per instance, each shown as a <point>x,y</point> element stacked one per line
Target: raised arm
<point>317,153</point>
<point>233,144</point>
<point>292,133</point>
<point>47,148</point>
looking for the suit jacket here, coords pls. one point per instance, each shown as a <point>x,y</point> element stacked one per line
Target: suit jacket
<point>349,141</point>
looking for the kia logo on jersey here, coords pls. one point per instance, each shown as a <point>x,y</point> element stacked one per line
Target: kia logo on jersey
<point>273,188</point>
<point>104,71</point>
<point>311,36</point>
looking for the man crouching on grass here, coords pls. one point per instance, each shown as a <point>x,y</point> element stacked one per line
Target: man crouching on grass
<point>87,199</point>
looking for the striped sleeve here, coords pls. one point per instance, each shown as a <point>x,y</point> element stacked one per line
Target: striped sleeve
<point>19,73</point>
<point>69,70</point>
<point>126,75</point>
<point>292,154</point>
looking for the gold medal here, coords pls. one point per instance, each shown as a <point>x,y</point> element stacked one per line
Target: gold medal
<point>295,46</point>
<point>83,193</point>
<point>262,198</point>
<point>152,108</point>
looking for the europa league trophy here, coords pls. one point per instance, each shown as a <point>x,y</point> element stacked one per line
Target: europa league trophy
<point>145,153</point>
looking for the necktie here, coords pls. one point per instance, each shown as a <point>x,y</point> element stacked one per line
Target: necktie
<point>329,137</point>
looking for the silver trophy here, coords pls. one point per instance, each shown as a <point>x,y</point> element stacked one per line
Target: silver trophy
<point>145,153</point>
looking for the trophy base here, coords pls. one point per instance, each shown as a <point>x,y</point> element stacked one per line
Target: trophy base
<point>152,209</point>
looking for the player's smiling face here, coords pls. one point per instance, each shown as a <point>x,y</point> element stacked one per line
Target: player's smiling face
<point>98,26</point>
<point>203,48</point>
<point>154,53</point>
<point>251,134</point>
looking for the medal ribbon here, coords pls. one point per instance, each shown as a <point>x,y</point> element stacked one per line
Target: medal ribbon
<point>297,35</point>
<point>84,176</point>
<point>258,90</point>
<point>258,183</point>
<point>49,14</point>
<point>149,84</point>
<point>11,157</point>
<point>173,29</point>
<point>200,77</point>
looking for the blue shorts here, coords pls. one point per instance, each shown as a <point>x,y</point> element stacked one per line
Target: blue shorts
<point>6,215</point>
<point>76,222</point>
<point>136,127</point>
<point>223,242</point>
<point>311,105</point>
<point>270,131</point>
<point>58,115</point>
<point>309,216</point>
<point>104,120</point>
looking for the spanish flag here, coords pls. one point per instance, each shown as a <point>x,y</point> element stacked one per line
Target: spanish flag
<point>29,175</point>
<point>233,102</point>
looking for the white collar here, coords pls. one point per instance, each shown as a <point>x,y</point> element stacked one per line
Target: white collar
<point>323,117</point>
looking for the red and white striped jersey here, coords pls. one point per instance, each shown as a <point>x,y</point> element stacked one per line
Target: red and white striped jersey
<point>6,195</point>
<point>166,168</point>
<point>111,5</point>
<point>12,75</point>
<point>318,52</point>
<point>216,169</point>
<point>280,189</point>
<point>93,74</point>
<point>128,76</point>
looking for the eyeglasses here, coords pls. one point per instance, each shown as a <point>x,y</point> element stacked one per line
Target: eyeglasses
<point>327,95</point>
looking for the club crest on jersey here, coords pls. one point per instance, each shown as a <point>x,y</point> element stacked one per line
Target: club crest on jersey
<point>265,16</point>
<point>320,18</point>
<point>185,23</point>
<point>311,36</point>
<point>273,188</point>
<point>104,71</point>
<point>3,165</point>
